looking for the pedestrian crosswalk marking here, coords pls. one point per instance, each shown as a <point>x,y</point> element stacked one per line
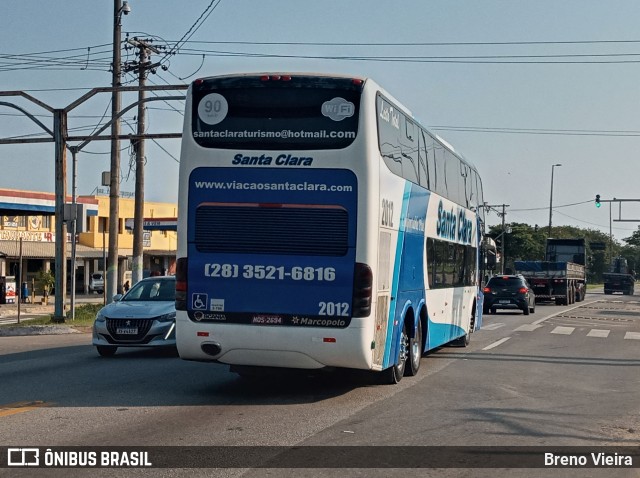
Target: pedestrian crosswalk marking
<point>527,328</point>
<point>598,333</point>
<point>563,330</point>
<point>632,335</point>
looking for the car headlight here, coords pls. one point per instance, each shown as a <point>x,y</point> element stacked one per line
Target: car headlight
<point>167,317</point>
<point>100,317</point>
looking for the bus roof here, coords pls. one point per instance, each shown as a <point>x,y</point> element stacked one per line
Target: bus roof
<point>273,74</point>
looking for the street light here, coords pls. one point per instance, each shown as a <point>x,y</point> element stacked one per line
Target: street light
<point>551,198</point>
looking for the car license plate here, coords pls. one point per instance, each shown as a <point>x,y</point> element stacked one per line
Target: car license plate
<point>127,331</point>
<point>505,301</point>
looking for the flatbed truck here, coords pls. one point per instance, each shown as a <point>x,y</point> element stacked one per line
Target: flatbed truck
<point>562,276</point>
<point>620,278</point>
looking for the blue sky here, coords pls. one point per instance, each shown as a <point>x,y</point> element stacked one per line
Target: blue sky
<point>524,84</point>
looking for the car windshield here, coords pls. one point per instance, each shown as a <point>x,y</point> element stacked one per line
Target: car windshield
<point>152,290</point>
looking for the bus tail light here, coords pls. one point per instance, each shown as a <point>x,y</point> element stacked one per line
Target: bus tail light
<point>275,78</point>
<point>362,290</point>
<point>181,283</point>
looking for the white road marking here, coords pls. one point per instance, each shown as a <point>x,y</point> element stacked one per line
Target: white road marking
<point>495,326</point>
<point>496,343</point>
<point>527,328</point>
<point>563,330</point>
<point>632,335</point>
<point>598,333</point>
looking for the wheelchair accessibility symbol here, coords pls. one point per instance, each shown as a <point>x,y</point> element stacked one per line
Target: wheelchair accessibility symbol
<point>199,301</point>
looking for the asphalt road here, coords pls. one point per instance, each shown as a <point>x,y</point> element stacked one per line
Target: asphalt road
<point>564,376</point>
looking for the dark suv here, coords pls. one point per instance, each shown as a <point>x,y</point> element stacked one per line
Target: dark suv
<point>509,292</point>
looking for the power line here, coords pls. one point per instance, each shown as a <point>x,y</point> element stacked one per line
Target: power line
<point>554,207</point>
<point>545,131</point>
<point>95,59</point>
<point>192,30</point>
<point>495,59</point>
<point>550,42</point>
<point>57,51</point>
<point>594,224</point>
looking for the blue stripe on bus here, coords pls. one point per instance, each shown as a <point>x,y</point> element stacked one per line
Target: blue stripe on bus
<point>396,276</point>
<point>440,334</point>
<point>408,282</point>
<point>480,280</point>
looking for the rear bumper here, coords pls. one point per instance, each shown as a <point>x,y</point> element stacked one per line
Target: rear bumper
<point>277,346</point>
<point>501,303</point>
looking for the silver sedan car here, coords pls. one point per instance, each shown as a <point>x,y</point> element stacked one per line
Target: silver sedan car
<point>143,317</point>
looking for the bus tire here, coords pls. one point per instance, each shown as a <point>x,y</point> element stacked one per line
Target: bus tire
<point>394,374</point>
<point>415,352</point>
<point>466,339</point>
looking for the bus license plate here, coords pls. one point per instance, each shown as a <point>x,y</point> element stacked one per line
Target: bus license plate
<point>128,331</point>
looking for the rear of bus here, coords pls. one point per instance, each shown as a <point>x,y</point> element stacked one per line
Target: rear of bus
<point>267,270</point>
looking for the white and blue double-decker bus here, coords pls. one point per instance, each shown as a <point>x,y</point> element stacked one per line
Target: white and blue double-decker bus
<point>320,225</point>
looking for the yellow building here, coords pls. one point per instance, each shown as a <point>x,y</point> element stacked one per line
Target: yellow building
<point>159,246</point>
<point>27,237</point>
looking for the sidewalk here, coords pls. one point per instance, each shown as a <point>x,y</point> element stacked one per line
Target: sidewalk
<point>11,310</point>
<point>9,315</point>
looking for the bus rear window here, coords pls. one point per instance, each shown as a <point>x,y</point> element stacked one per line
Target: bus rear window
<point>252,112</point>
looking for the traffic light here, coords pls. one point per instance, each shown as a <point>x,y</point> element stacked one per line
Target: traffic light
<point>597,200</point>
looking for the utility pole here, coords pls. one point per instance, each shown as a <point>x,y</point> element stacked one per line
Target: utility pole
<point>551,199</point>
<point>143,67</point>
<point>114,183</point>
<point>60,138</point>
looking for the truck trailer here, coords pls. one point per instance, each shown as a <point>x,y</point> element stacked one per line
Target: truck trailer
<point>562,276</point>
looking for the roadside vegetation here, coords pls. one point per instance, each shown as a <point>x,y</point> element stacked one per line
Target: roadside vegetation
<point>526,242</point>
<point>85,315</point>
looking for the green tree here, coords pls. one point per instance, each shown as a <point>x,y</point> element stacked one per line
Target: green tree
<point>523,242</point>
<point>47,280</point>
<point>526,242</point>
<point>631,251</point>
<point>634,240</point>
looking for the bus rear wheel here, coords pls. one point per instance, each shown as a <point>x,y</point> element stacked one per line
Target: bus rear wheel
<point>415,352</point>
<point>393,374</point>
<point>466,338</point>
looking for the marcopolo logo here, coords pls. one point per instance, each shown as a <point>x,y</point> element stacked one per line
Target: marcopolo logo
<point>338,109</point>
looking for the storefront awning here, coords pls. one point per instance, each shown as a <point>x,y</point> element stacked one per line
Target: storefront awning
<point>47,250</point>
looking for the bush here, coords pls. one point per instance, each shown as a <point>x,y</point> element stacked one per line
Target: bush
<point>47,281</point>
